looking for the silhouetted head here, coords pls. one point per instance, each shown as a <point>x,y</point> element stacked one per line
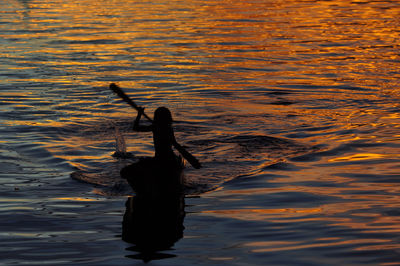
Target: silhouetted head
<point>162,116</point>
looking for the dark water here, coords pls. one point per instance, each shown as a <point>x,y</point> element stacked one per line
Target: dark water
<point>292,107</point>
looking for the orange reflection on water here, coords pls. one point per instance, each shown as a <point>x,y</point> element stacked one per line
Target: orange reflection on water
<point>76,199</point>
<point>361,157</point>
<point>274,246</point>
<point>354,206</point>
<point>243,46</point>
<point>279,67</point>
<point>261,214</point>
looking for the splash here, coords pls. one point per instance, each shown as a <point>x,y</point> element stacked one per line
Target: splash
<point>120,146</point>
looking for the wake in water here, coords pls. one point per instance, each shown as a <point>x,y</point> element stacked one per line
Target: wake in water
<point>229,157</point>
<point>224,158</point>
<point>108,180</point>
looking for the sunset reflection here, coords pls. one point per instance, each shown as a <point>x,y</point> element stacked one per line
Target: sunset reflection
<point>292,107</point>
<point>77,199</point>
<point>284,246</point>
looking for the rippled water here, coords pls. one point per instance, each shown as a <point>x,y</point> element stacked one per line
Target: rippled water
<point>292,107</point>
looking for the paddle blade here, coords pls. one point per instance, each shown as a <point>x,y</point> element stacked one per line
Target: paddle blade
<point>122,94</point>
<point>125,97</point>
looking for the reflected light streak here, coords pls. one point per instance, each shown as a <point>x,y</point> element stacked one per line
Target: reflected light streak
<point>361,157</point>
<point>255,214</point>
<point>274,246</point>
<point>267,71</point>
<point>76,199</point>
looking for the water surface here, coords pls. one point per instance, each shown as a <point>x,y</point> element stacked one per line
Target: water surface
<point>292,107</point>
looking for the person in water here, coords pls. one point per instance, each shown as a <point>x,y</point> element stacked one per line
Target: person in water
<point>163,133</point>
<point>163,136</point>
<point>164,171</point>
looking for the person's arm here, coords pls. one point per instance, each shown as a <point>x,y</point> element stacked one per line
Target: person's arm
<point>136,124</point>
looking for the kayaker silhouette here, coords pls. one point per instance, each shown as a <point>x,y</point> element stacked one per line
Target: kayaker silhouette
<point>162,173</point>
<point>163,133</point>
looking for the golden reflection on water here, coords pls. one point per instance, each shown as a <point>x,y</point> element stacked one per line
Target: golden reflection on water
<point>76,199</point>
<point>211,36</point>
<point>274,246</point>
<point>285,66</point>
<point>234,48</point>
<point>361,157</point>
<point>259,214</point>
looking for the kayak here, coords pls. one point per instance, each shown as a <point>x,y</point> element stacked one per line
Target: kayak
<point>151,176</point>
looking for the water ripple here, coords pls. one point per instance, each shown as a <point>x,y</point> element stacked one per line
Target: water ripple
<point>294,116</point>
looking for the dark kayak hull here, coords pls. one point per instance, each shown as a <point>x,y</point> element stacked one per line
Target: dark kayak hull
<point>151,177</point>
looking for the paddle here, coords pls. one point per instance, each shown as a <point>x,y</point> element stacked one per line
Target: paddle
<point>189,157</point>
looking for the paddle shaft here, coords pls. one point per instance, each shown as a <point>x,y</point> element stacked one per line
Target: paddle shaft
<point>189,157</point>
